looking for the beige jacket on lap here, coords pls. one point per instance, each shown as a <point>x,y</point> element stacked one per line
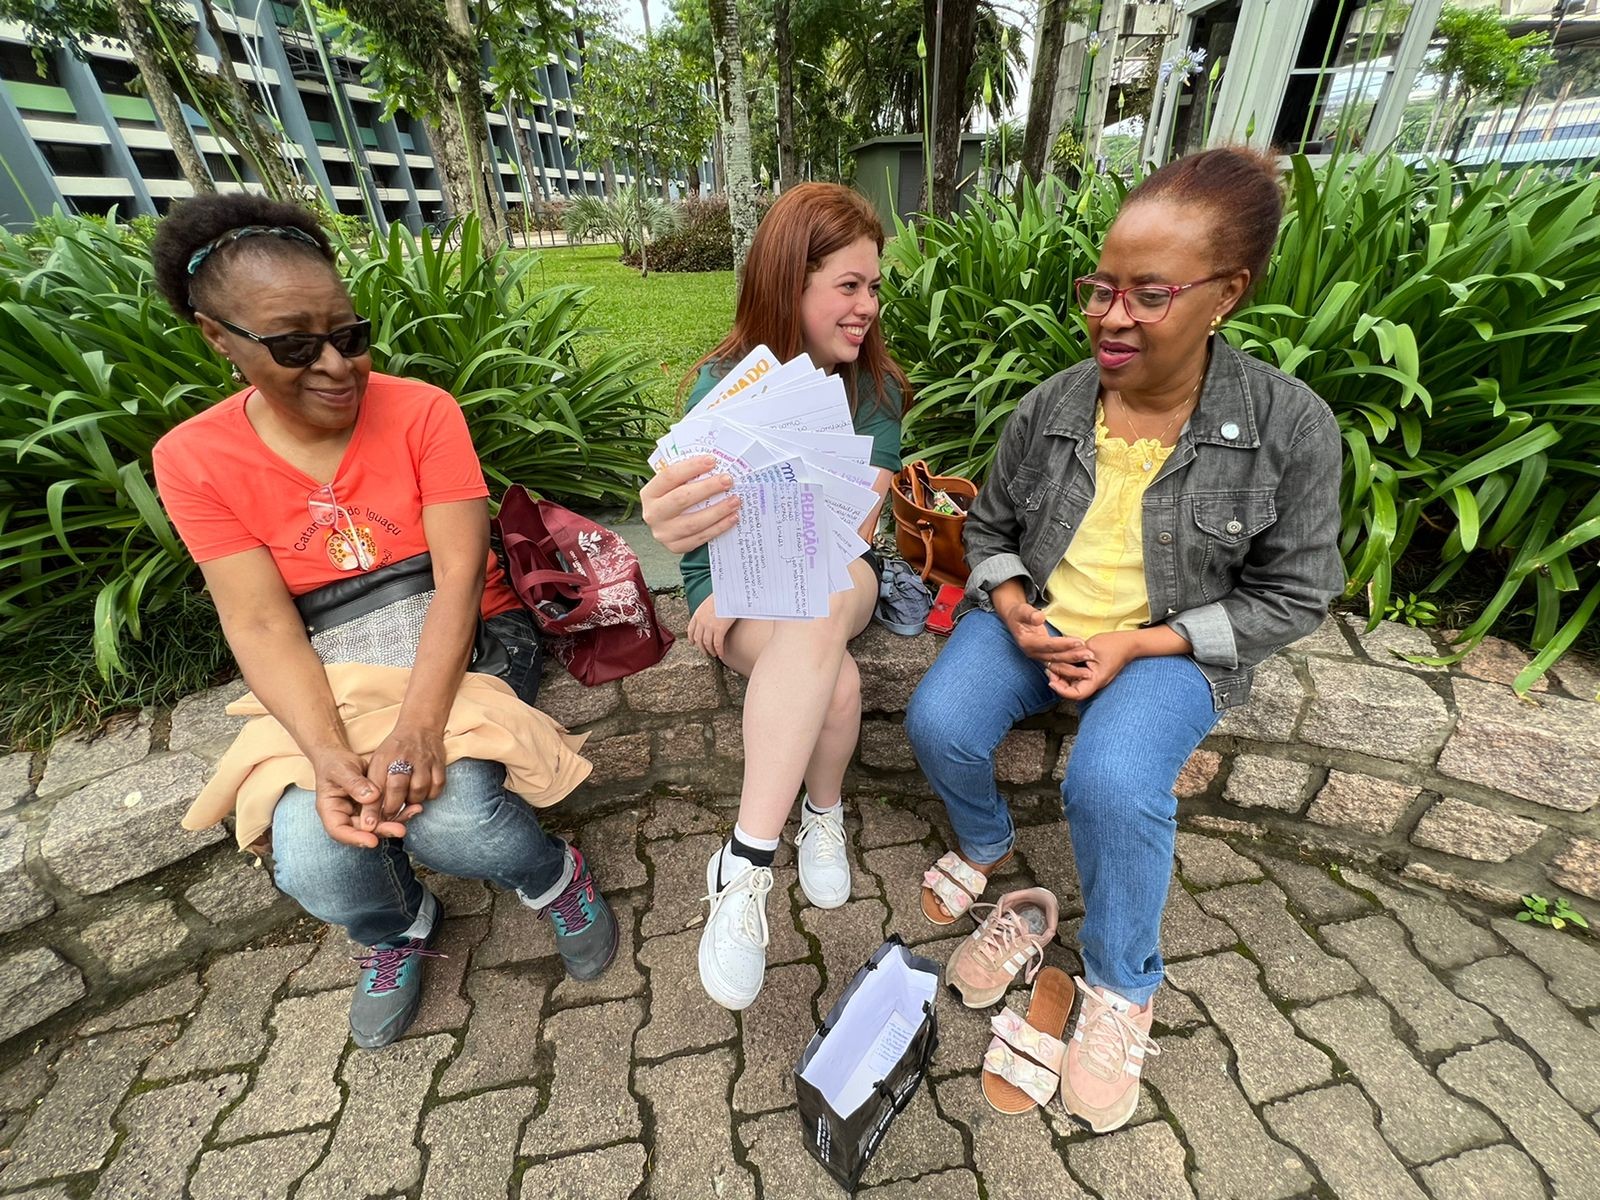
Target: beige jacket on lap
<point>487,721</point>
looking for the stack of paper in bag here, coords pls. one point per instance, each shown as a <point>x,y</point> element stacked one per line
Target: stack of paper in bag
<point>804,476</point>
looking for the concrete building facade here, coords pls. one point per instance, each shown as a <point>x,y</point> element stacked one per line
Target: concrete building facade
<point>80,138</point>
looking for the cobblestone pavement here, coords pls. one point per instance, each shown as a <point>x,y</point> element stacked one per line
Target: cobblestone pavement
<point>1324,1034</point>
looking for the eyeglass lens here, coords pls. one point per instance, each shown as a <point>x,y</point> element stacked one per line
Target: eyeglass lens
<point>303,349</point>
<point>1144,304</point>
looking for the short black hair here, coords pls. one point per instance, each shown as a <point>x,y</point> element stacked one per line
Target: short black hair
<point>193,223</point>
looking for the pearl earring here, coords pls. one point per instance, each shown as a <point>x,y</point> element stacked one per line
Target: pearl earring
<point>1216,322</point>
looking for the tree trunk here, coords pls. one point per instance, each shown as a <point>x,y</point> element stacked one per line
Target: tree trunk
<point>450,156</point>
<point>1433,117</point>
<point>608,169</point>
<point>693,172</point>
<point>1458,128</point>
<point>134,25</point>
<point>475,132</point>
<point>533,178</point>
<point>954,53</point>
<point>1052,27</point>
<point>734,108</point>
<point>719,159</point>
<point>783,46</point>
<point>261,152</point>
<point>638,216</point>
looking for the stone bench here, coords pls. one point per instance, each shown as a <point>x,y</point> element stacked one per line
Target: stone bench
<point>1346,749</point>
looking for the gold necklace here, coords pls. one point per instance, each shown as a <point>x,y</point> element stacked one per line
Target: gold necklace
<point>1161,438</point>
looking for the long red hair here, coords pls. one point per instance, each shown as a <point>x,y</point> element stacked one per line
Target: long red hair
<point>805,225</point>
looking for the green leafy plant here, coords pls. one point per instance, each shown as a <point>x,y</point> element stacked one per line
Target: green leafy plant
<point>630,218</point>
<point>1411,610</point>
<point>94,368</point>
<point>702,241</point>
<point>1447,318</point>
<point>1557,913</point>
<point>565,424</point>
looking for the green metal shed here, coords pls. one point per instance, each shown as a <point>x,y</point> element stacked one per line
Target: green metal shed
<point>889,172</point>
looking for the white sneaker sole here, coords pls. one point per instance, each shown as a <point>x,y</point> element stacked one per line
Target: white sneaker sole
<point>718,988</point>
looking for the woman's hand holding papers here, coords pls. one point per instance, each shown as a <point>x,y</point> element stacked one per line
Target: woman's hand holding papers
<point>669,499</point>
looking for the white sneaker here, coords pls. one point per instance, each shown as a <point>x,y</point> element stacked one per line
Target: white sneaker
<point>824,869</point>
<point>733,947</point>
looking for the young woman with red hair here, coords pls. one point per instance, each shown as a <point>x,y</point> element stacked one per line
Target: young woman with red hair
<point>811,285</point>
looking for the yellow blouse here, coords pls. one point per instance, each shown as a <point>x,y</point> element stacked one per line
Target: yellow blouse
<point>1099,584</point>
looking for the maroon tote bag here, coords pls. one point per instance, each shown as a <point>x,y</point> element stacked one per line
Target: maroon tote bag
<point>583,587</point>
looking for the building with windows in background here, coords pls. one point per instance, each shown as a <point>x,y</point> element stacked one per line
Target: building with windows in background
<point>80,137</point>
<point>1315,75</point>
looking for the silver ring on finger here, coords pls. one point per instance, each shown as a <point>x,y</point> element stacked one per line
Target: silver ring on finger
<point>401,766</point>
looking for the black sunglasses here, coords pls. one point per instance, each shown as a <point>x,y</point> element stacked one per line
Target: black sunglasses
<point>303,349</point>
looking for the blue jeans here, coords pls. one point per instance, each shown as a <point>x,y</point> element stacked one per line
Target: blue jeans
<point>474,829</point>
<point>1134,736</point>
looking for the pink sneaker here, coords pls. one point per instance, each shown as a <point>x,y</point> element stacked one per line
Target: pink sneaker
<point>1012,938</point>
<point>1100,1085</point>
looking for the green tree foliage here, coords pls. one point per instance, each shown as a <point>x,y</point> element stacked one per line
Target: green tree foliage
<point>417,59</point>
<point>880,72</point>
<point>426,56</point>
<point>644,104</point>
<point>1481,63</point>
<point>632,218</point>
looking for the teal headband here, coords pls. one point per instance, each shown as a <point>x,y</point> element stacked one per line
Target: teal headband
<point>246,231</point>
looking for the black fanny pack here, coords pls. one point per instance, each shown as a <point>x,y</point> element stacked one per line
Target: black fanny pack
<point>345,600</point>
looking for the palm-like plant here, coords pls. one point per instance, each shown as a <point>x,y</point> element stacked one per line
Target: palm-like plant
<point>879,73</point>
<point>630,218</point>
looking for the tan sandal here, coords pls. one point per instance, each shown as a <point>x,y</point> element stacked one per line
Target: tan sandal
<point>1022,1067</point>
<point>1012,938</point>
<point>951,885</point>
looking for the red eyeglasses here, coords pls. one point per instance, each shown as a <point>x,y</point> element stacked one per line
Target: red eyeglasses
<point>1145,303</point>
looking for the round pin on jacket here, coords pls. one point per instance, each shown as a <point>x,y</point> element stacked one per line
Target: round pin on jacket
<point>1230,430</point>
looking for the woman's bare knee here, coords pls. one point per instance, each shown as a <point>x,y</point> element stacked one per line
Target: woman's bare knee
<point>845,703</point>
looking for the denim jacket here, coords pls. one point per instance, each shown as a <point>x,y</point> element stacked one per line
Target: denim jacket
<point>1241,524</point>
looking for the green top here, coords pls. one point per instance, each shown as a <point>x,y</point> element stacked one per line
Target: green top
<point>880,422</point>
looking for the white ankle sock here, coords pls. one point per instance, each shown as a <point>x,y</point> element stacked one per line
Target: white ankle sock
<point>819,809</point>
<point>744,838</point>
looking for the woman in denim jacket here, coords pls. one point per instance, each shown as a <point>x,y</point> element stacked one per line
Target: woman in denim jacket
<point>1157,522</point>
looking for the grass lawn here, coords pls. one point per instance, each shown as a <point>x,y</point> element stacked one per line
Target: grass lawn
<point>673,318</point>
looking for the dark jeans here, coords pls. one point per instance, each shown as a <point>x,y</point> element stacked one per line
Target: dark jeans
<point>474,829</point>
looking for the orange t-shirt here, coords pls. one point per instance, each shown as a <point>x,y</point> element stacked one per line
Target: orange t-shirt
<point>226,492</point>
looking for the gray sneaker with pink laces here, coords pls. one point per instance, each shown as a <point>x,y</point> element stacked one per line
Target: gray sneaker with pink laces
<point>388,991</point>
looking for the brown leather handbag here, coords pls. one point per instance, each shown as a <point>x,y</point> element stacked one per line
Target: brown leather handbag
<point>926,538</point>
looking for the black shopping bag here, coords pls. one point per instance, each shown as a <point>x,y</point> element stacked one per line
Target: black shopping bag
<point>864,1064</point>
